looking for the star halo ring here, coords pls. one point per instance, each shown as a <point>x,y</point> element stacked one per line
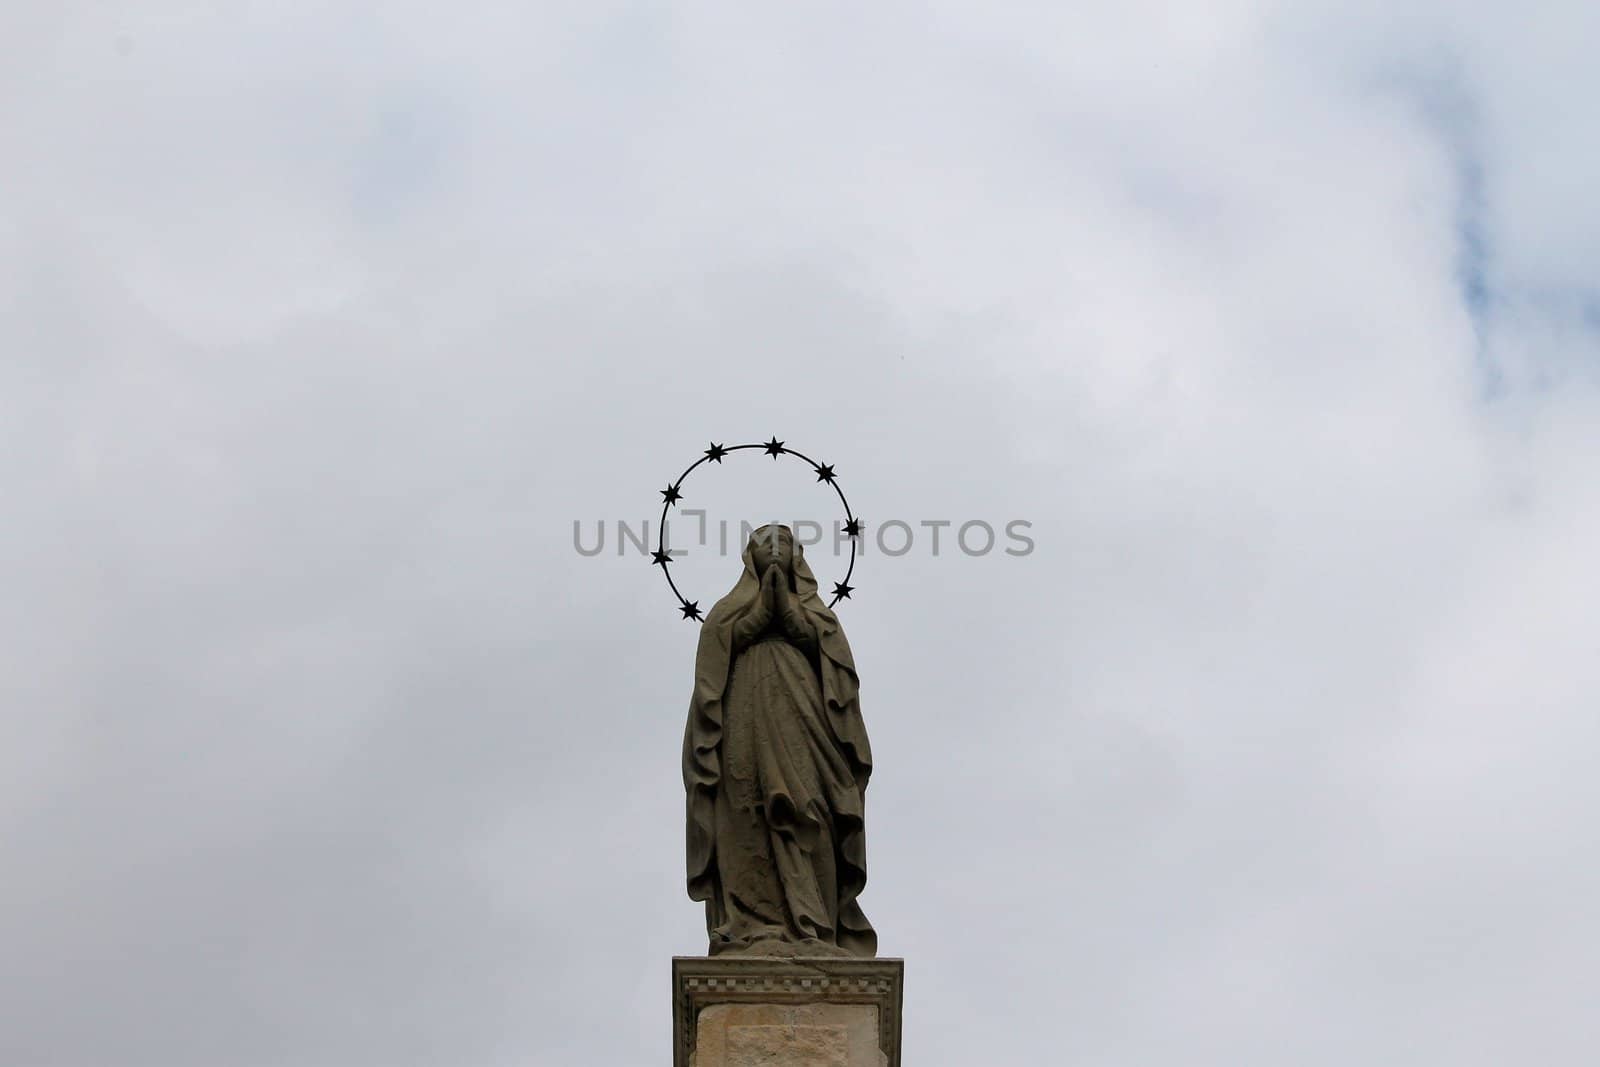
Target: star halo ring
<point>672,494</point>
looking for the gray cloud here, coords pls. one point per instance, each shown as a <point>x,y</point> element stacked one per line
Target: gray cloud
<point>321,745</point>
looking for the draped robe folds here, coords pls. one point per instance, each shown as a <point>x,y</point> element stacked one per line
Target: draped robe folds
<point>775,767</point>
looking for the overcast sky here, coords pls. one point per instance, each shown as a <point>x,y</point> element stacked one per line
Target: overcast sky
<point>322,323</point>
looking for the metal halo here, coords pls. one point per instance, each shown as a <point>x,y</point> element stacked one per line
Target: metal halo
<point>774,448</point>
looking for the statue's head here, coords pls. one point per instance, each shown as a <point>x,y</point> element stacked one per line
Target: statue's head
<point>772,544</point>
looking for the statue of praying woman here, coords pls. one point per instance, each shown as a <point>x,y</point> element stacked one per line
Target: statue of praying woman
<point>775,765</point>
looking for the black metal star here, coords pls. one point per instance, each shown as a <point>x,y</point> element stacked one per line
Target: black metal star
<point>853,527</point>
<point>661,556</point>
<point>774,447</point>
<point>716,452</point>
<point>671,495</point>
<point>841,590</point>
<point>691,610</point>
<point>825,472</point>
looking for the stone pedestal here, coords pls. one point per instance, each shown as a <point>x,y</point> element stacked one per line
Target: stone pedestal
<point>813,1011</point>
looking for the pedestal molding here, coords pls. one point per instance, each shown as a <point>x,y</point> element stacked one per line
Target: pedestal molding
<point>700,981</point>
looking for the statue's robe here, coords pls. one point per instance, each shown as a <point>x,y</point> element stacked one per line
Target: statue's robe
<point>775,765</point>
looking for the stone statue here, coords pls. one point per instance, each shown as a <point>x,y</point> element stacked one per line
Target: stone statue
<point>775,764</point>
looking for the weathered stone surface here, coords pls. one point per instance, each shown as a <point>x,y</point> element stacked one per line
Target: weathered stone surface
<point>787,1035</point>
<point>751,1046</point>
<point>743,1011</point>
